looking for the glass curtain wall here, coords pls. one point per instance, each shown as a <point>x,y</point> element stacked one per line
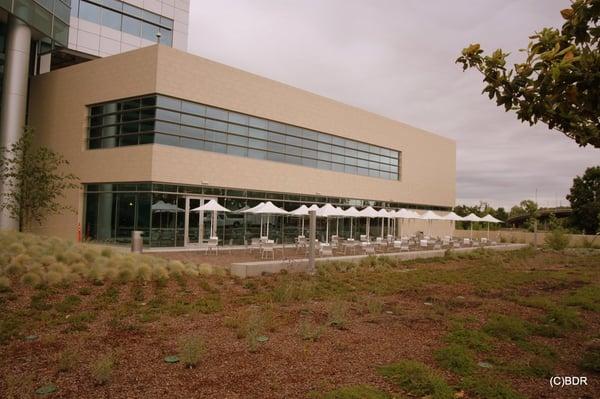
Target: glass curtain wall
<point>114,210</point>
<point>170,121</point>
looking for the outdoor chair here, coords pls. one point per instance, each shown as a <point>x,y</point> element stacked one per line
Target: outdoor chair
<point>456,244</point>
<point>213,245</point>
<point>368,249</point>
<point>466,242</point>
<point>326,250</point>
<point>423,244</point>
<point>301,242</point>
<point>266,249</point>
<point>364,238</point>
<point>254,245</point>
<point>437,245</point>
<point>446,242</point>
<point>484,241</point>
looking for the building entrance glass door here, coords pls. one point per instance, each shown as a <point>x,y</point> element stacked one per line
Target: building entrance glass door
<point>196,228</point>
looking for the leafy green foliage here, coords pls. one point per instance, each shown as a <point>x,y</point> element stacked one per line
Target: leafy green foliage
<point>558,83</point>
<point>34,180</point>
<point>557,239</point>
<point>417,379</point>
<point>585,201</point>
<point>455,358</point>
<point>489,388</point>
<point>354,392</point>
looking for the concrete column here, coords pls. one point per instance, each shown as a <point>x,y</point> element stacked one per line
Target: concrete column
<point>14,96</point>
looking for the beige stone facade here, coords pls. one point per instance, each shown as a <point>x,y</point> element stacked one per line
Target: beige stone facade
<point>58,111</point>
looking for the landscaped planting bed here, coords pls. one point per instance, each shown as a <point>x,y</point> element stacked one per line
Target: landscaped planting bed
<point>88,322</point>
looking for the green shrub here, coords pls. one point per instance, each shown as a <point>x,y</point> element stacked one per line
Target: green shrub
<point>471,338</point>
<point>417,379</point>
<point>591,356</point>
<point>455,358</point>
<point>507,327</point>
<point>67,360</point>
<point>587,298</point>
<point>489,389</point>
<point>557,239</point>
<point>102,369</point>
<point>354,392</point>
<point>10,327</point>
<point>309,331</point>
<point>191,350</point>
<point>337,315</point>
<point>4,283</point>
<point>31,279</point>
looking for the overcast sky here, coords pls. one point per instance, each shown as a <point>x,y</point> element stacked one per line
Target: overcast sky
<point>396,58</point>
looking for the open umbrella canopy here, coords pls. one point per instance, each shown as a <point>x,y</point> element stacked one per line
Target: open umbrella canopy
<point>352,212</point>
<point>162,206</point>
<point>383,213</point>
<point>327,210</point>
<point>269,209</point>
<point>300,211</point>
<point>429,215</point>
<point>415,215</point>
<point>471,217</point>
<point>453,217</point>
<point>369,212</point>
<point>253,209</point>
<point>490,219</point>
<point>403,214</point>
<point>340,211</point>
<point>211,205</point>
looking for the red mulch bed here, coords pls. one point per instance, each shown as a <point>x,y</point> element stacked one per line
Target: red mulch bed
<point>284,367</point>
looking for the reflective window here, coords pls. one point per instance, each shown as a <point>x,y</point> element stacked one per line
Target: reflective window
<point>171,121</point>
<point>124,17</point>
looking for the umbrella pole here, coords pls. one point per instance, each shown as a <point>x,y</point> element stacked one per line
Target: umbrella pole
<point>302,225</point>
<point>351,219</point>
<point>261,223</point>
<point>327,230</point>
<point>368,228</point>
<point>471,230</point>
<point>268,217</point>
<point>337,227</point>
<point>488,231</point>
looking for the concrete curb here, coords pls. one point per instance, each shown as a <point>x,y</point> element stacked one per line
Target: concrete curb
<point>253,269</point>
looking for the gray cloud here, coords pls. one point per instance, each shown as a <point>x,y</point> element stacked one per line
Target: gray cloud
<point>396,58</point>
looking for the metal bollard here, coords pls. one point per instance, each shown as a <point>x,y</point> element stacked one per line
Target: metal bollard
<point>137,242</point>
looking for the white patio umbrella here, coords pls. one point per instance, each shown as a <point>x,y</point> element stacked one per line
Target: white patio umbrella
<point>253,210</point>
<point>368,213</point>
<point>403,214</point>
<point>327,211</point>
<point>269,209</point>
<point>489,219</point>
<point>383,214</point>
<point>161,207</point>
<point>340,213</point>
<point>430,216</point>
<point>214,207</point>
<point>471,217</point>
<point>352,213</point>
<point>452,217</point>
<point>301,211</point>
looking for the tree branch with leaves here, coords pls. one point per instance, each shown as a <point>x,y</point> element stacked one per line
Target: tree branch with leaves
<point>34,181</point>
<point>558,84</point>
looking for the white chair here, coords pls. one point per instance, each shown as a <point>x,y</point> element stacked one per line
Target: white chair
<point>301,242</point>
<point>364,238</point>
<point>254,245</point>
<point>423,244</point>
<point>484,241</point>
<point>326,250</point>
<point>268,248</point>
<point>466,242</point>
<point>368,248</point>
<point>213,245</point>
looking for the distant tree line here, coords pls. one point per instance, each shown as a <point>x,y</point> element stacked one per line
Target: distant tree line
<point>584,197</point>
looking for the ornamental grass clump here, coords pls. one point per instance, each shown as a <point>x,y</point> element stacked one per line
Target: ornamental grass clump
<point>191,349</point>
<point>102,369</point>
